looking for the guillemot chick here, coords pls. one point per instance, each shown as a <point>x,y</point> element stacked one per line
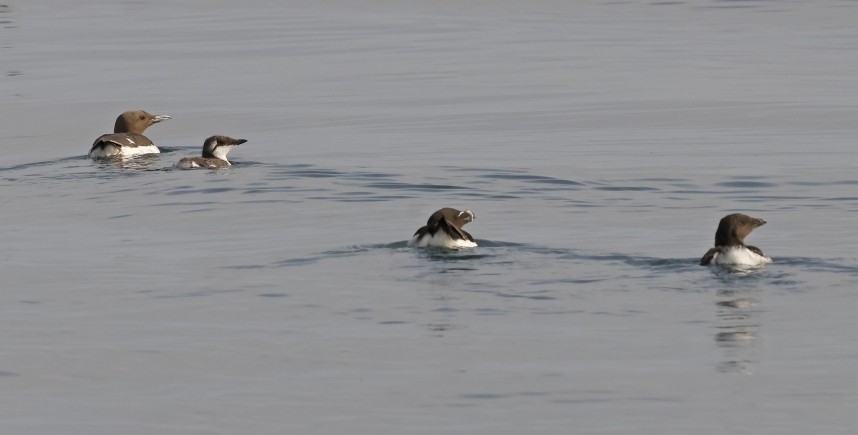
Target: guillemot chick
<point>127,139</point>
<point>215,150</point>
<point>444,230</point>
<point>730,248</point>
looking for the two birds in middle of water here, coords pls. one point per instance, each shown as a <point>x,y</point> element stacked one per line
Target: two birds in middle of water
<point>444,230</point>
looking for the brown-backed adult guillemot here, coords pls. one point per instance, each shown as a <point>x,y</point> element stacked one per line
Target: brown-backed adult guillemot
<point>444,230</point>
<point>215,150</point>
<point>127,138</point>
<point>730,248</point>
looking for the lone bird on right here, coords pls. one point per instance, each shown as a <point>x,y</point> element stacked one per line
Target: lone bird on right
<point>127,139</point>
<point>444,230</point>
<point>730,248</point>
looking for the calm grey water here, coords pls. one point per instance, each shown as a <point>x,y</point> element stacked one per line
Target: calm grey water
<point>597,142</point>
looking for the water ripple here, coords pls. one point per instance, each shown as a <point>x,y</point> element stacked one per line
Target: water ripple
<point>532,179</point>
<point>746,184</point>
<point>411,186</point>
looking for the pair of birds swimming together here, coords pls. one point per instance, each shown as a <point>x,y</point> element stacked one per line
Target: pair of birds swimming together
<point>444,227</point>
<point>444,230</point>
<point>127,140</point>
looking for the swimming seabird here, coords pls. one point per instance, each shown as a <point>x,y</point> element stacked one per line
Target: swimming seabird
<point>444,230</point>
<point>730,247</point>
<point>127,138</point>
<point>215,150</point>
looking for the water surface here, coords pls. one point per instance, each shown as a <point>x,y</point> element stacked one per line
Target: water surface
<point>598,143</point>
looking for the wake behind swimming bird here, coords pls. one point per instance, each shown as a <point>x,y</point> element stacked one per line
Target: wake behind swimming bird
<point>444,230</point>
<point>215,150</point>
<point>730,248</point>
<point>127,139</point>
